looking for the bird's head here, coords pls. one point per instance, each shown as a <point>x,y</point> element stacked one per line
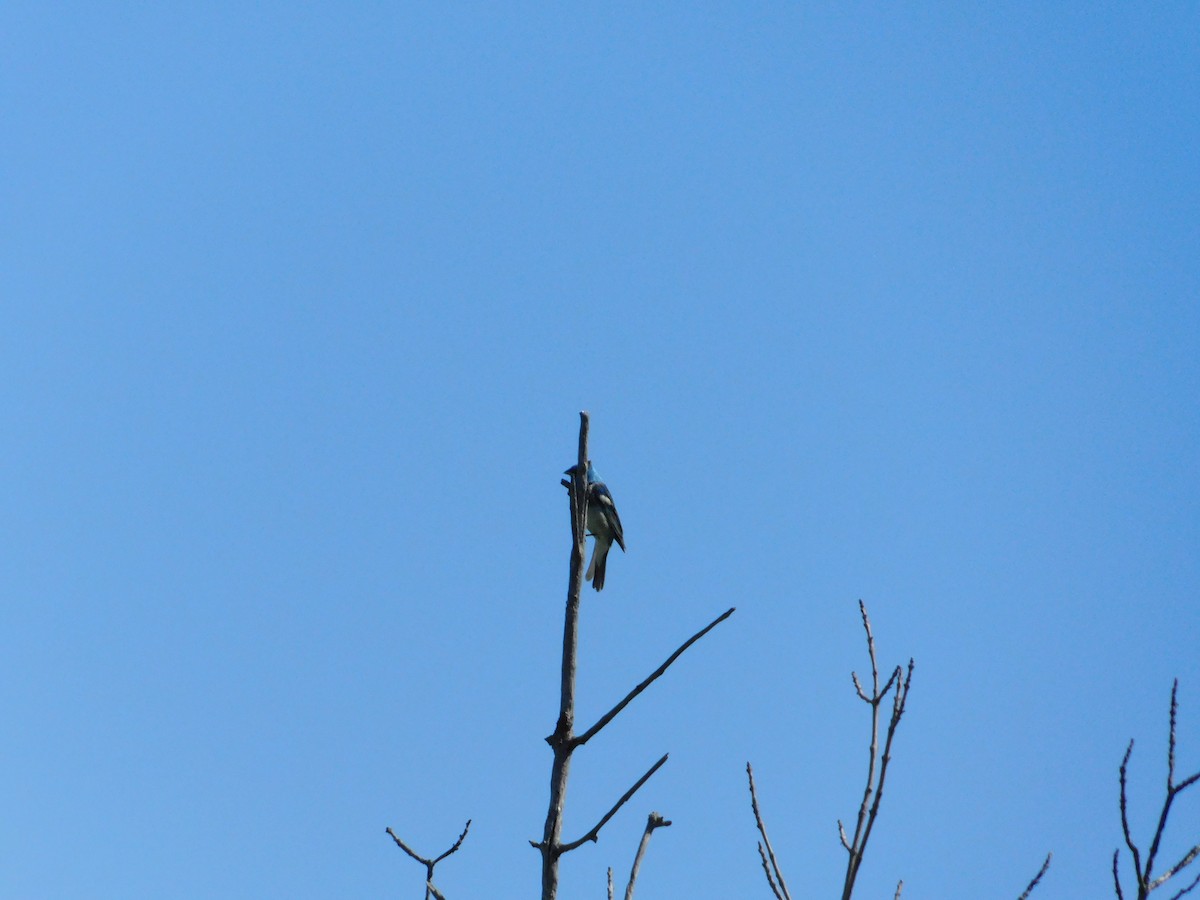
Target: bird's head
<point>592,477</point>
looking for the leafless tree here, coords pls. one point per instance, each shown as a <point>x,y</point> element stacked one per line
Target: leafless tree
<point>1144,872</point>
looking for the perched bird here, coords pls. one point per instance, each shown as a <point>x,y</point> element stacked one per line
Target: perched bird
<point>603,524</point>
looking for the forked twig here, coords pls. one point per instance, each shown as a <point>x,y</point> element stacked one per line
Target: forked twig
<point>430,890</point>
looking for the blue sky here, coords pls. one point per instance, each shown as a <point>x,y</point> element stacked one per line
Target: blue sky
<point>302,302</point>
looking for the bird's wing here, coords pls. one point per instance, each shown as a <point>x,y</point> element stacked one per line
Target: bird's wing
<point>603,497</point>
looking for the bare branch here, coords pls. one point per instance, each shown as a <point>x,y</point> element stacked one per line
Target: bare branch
<point>457,843</point>
<point>899,888</point>
<point>612,713</point>
<point>1137,856</point>
<point>1179,866</point>
<point>561,740</point>
<point>842,834</point>
<point>1146,882</point>
<point>430,863</point>
<point>781,892</point>
<point>594,834</point>
<point>1036,878</point>
<point>899,700</point>
<point>877,764</point>
<point>762,854</point>
<point>1171,735</point>
<point>407,849</point>
<point>1188,889</point>
<point>610,884</point>
<point>654,821</point>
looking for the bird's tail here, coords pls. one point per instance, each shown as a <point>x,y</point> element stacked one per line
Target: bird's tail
<point>595,572</point>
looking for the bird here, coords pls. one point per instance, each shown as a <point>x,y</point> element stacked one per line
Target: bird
<point>603,524</point>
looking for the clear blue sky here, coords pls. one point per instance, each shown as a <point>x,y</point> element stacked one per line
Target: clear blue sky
<point>301,302</point>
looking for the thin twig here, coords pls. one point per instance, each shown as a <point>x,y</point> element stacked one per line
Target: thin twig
<point>407,849</point>
<point>434,891</point>
<point>1036,878</point>
<point>781,892</point>
<point>1179,866</point>
<point>654,821</point>
<point>457,843</point>
<point>899,888</point>
<point>612,713</point>
<point>762,854</point>
<point>594,833</point>
<point>1188,889</point>
<point>1137,856</point>
<point>610,884</point>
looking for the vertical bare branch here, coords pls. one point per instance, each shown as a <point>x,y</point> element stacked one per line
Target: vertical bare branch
<point>769,863</point>
<point>868,810</point>
<point>654,821</point>
<point>561,741</point>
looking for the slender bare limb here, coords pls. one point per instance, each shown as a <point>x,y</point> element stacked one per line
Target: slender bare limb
<point>430,863</point>
<point>1188,889</point>
<point>1178,867</point>
<point>899,888</point>
<point>1146,882</point>
<point>762,855</point>
<point>594,833</point>
<point>610,884</point>
<point>1036,878</point>
<point>877,764</point>
<point>561,740</point>
<point>654,821</point>
<point>1137,856</point>
<point>612,713</point>
<point>769,863</point>
<point>430,889</point>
